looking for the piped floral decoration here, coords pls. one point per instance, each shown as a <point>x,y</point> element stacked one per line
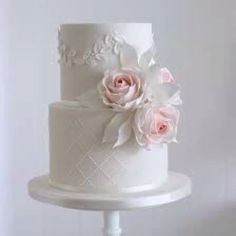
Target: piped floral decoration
<point>143,96</point>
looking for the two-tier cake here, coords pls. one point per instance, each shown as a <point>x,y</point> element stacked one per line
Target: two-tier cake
<point>118,110</point>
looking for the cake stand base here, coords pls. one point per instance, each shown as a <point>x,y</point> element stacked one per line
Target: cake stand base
<point>175,188</point>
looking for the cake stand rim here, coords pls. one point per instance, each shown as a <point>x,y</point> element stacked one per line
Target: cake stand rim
<point>178,186</point>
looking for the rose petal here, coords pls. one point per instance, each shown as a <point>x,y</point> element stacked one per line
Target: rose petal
<point>165,76</point>
<point>114,98</point>
<point>146,128</point>
<point>130,95</point>
<point>170,113</point>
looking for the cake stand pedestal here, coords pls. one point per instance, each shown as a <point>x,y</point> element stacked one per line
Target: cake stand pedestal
<point>175,188</point>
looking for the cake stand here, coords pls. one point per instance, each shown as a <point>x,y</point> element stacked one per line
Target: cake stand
<point>175,188</point>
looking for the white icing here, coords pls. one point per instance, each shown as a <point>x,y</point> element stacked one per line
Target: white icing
<point>80,161</point>
<point>82,52</point>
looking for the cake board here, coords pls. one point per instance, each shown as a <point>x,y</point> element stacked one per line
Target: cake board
<point>175,188</point>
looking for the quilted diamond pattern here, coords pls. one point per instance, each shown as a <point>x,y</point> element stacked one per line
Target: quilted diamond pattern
<point>94,163</point>
<point>80,159</point>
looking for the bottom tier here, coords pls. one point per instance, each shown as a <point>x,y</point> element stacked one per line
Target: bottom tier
<point>79,161</point>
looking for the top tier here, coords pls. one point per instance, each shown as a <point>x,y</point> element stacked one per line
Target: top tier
<point>87,49</point>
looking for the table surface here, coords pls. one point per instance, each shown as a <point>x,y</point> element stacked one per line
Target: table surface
<point>175,188</point>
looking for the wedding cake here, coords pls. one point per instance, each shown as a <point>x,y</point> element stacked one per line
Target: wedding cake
<point>118,113</point>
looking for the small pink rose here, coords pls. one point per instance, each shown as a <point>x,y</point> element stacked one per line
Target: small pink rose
<point>122,89</point>
<point>155,124</point>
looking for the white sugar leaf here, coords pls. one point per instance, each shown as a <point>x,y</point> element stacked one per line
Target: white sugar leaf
<point>98,45</point>
<point>116,48</point>
<point>99,57</point>
<point>140,138</point>
<point>107,39</point>
<point>87,53</point>
<point>147,57</point>
<point>175,99</point>
<point>117,37</point>
<point>152,75</point>
<point>164,93</point>
<point>112,129</point>
<point>169,89</point>
<point>72,53</point>
<point>124,133</point>
<point>90,99</point>
<point>105,49</point>
<point>128,56</point>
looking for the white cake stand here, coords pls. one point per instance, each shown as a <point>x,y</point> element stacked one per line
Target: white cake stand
<point>176,187</point>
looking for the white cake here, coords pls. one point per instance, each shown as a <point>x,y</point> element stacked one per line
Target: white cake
<point>110,132</point>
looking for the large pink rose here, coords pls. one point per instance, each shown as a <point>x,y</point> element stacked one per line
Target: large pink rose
<point>122,89</point>
<point>155,124</point>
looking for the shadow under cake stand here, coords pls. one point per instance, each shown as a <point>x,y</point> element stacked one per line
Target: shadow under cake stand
<point>175,188</point>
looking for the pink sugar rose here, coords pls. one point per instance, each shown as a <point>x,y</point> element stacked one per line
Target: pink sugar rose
<point>155,124</point>
<point>122,89</point>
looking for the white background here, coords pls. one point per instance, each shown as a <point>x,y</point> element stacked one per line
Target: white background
<point>196,40</point>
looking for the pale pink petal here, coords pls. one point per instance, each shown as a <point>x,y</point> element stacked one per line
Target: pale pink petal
<point>165,76</point>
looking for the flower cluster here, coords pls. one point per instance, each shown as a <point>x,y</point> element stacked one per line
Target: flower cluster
<point>143,97</point>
